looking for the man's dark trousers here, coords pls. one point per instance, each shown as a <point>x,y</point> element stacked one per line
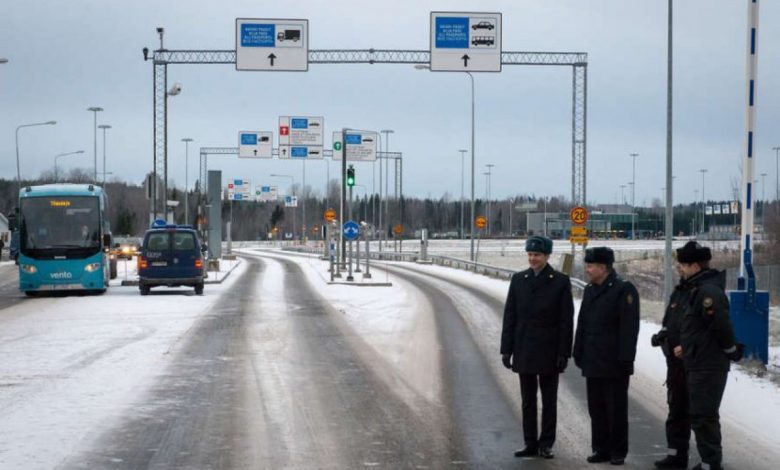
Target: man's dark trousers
<point>706,391</point>
<point>678,423</point>
<point>548,384</point>
<point>608,408</point>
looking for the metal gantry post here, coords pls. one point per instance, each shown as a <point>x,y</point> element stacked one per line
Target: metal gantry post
<point>160,137</point>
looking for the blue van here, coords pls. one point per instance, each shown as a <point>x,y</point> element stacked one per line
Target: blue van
<point>172,256</point>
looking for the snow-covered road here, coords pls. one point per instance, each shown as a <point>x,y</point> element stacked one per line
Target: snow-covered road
<point>274,368</point>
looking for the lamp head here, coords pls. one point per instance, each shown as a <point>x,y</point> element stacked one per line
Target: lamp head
<point>175,89</point>
<point>51,123</point>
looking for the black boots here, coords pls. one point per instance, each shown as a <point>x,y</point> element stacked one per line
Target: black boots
<point>672,461</point>
<point>527,451</point>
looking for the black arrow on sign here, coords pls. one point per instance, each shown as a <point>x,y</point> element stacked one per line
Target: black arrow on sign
<point>255,150</point>
<point>272,57</point>
<point>465,60</point>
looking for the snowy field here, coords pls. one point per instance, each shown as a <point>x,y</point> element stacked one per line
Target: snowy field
<point>72,364</point>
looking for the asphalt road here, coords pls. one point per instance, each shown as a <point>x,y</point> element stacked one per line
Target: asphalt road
<point>274,377</point>
<point>219,404</point>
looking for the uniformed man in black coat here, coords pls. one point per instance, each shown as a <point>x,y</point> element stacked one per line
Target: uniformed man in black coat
<point>678,423</point>
<point>707,344</point>
<point>605,348</point>
<point>536,341</point>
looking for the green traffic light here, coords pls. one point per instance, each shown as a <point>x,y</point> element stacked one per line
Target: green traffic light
<point>350,176</point>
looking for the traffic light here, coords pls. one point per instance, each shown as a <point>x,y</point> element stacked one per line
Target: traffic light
<point>350,176</point>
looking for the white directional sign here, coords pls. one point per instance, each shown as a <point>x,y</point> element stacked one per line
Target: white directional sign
<point>361,146</point>
<point>465,42</point>
<point>301,137</point>
<point>255,144</point>
<point>240,189</point>
<point>291,201</point>
<point>272,45</point>
<point>266,193</point>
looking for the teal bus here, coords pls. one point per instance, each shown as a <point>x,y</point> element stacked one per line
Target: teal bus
<point>64,238</point>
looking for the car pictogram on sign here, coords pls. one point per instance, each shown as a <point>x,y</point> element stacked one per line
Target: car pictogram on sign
<point>483,25</point>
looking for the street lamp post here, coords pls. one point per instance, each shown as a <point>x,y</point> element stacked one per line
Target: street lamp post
<point>703,202</point>
<point>763,201</point>
<point>186,141</point>
<point>489,174</point>
<point>104,127</point>
<point>292,186</point>
<point>633,193</point>
<point>18,170</point>
<point>777,173</point>
<point>95,110</point>
<point>462,173</point>
<point>56,157</point>
<point>471,224</point>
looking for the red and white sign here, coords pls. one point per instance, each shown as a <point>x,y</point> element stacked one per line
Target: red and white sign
<point>284,130</point>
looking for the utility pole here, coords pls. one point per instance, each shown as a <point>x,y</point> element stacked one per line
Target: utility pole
<point>462,159</point>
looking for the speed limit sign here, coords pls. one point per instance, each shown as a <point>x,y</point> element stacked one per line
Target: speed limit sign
<point>579,215</point>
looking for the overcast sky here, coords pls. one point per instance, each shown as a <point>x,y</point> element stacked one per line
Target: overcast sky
<point>65,56</point>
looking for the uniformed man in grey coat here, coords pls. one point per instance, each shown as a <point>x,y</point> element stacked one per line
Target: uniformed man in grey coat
<point>605,349</point>
<point>536,341</point>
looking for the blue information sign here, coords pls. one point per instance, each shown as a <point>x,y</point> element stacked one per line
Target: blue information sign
<point>354,139</point>
<point>351,230</point>
<point>299,152</point>
<point>265,189</point>
<point>258,35</point>
<point>452,33</point>
<point>248,139</point>
<point>238,182</point>
<point>299,123</point>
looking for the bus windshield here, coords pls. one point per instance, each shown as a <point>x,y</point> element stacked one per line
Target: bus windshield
<point>60,226</point>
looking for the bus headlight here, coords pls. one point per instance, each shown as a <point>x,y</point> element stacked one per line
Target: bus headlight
<point>29,268</point>
<point>92,267</point>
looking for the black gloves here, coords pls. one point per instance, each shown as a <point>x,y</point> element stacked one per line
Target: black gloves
<point>658,338</point>
<point>562,363</point>
<point>507,360</point>
<point>627,367</point>
<point>736,352</point>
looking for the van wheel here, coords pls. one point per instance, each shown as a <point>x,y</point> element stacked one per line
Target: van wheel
<point>145,290</point>
<point>199,289</point>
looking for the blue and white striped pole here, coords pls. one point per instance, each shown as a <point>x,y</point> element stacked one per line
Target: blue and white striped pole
<point>746,265</point>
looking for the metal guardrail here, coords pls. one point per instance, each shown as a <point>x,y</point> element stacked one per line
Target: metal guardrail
<point>439,260</point>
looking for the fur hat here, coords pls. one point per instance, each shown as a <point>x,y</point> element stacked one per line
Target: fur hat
<point>601,255</point>
<point>539,244</point>
<point>692,252</point>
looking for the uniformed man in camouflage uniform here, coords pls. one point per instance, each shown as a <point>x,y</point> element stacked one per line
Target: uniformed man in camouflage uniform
<point>678,423</point>
<point>605,349</point>
<point>536,341</point>
<point>707,344</point>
